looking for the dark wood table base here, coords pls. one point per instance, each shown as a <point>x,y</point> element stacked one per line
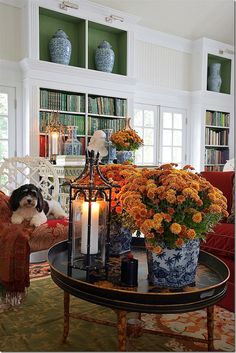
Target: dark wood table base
<point>124,329</point>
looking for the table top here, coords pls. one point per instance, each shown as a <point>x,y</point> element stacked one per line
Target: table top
<point>210,287</point>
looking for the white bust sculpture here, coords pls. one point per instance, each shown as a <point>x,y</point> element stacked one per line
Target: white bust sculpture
<point>97,143</point>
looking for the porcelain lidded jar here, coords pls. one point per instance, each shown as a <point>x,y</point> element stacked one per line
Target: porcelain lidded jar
<point>60,48</point>
<point>104,57</point>
<point>214,80</point>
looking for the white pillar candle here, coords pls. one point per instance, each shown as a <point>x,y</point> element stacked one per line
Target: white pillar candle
<point>93,229</point>
<point>54,141</point>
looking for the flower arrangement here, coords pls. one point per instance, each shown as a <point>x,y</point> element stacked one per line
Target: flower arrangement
<point>170,206</point>
<point>117,174</point>
<point>126,140</point>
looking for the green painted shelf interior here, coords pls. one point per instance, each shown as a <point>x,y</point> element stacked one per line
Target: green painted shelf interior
<point>50,22</point>
<point>118,40</point>
<point>225,71</point>
<point>75,28</point>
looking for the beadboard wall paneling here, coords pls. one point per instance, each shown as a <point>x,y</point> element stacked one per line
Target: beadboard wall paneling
<point>162,67</point>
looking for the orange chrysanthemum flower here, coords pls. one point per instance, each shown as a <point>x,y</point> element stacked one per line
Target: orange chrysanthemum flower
<point>175,228</point>
<point>197,217</point>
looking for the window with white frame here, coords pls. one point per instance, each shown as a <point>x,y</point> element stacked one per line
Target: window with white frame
<point>7,122</point>
<point>172,136</point>
<point>163,130</point>
<point>145,124</point>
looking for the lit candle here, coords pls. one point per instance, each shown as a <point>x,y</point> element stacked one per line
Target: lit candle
<point>54,141</point>
<point>93,228</point>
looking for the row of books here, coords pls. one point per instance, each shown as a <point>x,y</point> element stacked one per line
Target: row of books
<point>214,156</point>
<point>43,146</point>
<point>217,118</point>
<point>213,137</point>
<point>213,168</point>
<point>65,119</point>
<point>61,101</point>
<point>107,106</point>
<point>101,124</point>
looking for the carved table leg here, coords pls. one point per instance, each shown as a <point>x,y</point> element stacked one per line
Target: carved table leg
<point>121,327</point>
<point>210,328</point>
<point>66,315</point>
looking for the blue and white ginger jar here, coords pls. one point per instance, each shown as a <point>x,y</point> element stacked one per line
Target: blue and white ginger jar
<point>174,268</point>
<point>104,57</point>
<point>214,80</point>
<point>60,48</point>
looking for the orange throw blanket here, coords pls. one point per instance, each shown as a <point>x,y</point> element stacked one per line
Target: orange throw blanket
<point>14,251</point>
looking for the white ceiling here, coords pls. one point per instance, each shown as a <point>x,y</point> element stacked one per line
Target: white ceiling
<point>191,19</point>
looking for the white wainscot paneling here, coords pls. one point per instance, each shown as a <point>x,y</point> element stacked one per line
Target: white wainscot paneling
<point>162,67</point>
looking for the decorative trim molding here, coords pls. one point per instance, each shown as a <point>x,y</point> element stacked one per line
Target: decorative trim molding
<point>78,77</point>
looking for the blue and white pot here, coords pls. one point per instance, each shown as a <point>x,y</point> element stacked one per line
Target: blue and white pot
<point>60,48</point>
<point>120,239</point>
<point>214,80</point>
<point>174,268</point>
<point>104,57</point>
<point>124,156</point>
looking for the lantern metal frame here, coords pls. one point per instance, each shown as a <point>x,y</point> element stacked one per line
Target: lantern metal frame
<point>85,188</point>
<point>54,126</point>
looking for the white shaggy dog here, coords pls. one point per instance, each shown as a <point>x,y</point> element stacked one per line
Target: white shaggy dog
<point>28,204</point>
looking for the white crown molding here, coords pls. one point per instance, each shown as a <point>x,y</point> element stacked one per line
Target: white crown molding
<point>90,80</point>
<point>164,96</point>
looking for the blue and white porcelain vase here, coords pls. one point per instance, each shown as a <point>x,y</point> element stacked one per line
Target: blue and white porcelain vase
<point>104,57</point>
<point>124,156</point>
<point>60,48</point>
<point>174,268</point>
<point>109,158</point>
<point>72,145</point>
<point>214,79</point>
<point>120,239</point>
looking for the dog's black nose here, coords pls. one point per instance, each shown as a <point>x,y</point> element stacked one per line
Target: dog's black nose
<point>29,201</point>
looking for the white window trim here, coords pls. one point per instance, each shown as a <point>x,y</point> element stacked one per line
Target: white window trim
<point>184,130</point>
<point>11,92</point>
<point>155,128</point>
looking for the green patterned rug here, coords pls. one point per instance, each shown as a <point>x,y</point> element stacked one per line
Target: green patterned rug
<point>37,326</point>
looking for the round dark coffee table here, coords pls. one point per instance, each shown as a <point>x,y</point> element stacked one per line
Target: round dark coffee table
<point>211,285</point>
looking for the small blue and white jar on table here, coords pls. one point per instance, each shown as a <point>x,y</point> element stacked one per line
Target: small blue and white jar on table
<point>104,57</point>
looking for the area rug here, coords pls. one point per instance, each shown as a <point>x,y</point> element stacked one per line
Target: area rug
<point>39,270</point>
<point>37,325</point>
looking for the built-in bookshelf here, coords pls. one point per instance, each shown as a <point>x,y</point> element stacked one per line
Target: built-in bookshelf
<point>88,112</point>
<point>225,71</point>
<point>85,37</point>
<point>216,140</point>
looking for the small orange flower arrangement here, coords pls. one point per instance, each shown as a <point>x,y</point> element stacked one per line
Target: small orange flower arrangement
<point>170,206</point>
<point>126,140</point>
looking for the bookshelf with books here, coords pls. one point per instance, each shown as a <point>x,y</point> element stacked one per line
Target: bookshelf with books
<point>106,113</point>
<point>217,125</point>
<point>71,109</point>
<point>88,112</point>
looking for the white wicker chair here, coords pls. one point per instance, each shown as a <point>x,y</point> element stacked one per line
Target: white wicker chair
<point>17,171</point>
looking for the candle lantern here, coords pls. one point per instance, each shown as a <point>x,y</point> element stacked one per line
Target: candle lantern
<point>89,220</point>
<point>55,137</point>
